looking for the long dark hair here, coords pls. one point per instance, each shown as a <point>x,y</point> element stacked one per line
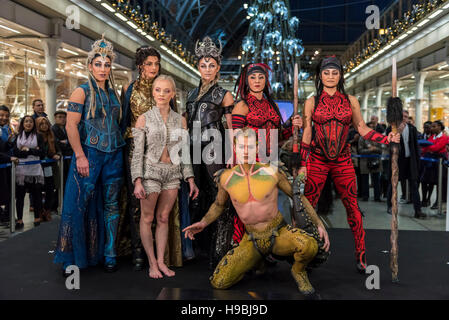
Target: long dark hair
<point>319,84</point>
<point>243,88</point>
<point>142,53</point>
<point>48,135</point>
<point>21,127</point>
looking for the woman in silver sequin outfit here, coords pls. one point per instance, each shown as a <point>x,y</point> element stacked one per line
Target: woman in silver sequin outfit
<point>156,170</point>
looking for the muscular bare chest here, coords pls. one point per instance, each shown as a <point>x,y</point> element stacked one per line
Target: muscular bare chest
<point>254,186</point>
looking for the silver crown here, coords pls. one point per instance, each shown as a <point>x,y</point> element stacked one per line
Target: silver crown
<point>207,48</point>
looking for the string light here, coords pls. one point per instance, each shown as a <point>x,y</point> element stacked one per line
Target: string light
<point>141,22</point>
<point>412,21</point>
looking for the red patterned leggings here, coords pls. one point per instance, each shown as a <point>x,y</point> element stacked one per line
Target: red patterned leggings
<point>343,175</point>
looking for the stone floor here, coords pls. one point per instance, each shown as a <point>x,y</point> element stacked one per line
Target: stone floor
<point>376,216</point>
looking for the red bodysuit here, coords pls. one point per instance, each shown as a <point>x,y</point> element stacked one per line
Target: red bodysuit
<point>329,152</point>
<point>261,115</point>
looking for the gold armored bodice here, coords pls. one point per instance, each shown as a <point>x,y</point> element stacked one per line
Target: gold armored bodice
<point>141,101</point>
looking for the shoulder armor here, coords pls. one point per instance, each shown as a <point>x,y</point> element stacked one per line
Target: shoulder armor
<point>217,175</point>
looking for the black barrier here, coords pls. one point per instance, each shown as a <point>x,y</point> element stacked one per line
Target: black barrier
<point>12,207</point>
<point>61,165</point>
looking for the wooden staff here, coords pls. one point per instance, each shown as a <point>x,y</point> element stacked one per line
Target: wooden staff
<point>394,118</point>
<point>295,110</point>
<point>295,150</point>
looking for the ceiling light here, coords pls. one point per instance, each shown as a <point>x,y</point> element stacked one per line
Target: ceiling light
<point>443,66</point>
<point>121,17</point>
<point>108,7</point>
<point>77,66</point>
<point>444,76</point>
<point>150,37</point>
<point>70,51</point>
<point>6,44</point>
<point>31,51</point>
<point>9,29</point>
<point>433,15</point>
<point>423,22</point>
<point>132,24</point>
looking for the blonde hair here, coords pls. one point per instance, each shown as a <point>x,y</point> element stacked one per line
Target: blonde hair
<point>173,84</point>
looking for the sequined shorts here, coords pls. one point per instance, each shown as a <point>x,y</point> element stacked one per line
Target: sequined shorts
<point>164,176</point>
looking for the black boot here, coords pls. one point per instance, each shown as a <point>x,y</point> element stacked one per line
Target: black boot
<point>360,262</point>
<point>420,215</point>
<point>110,265</point>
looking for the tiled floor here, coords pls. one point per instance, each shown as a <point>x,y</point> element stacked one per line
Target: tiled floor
<point>375,217</point>
<point>28,219</point>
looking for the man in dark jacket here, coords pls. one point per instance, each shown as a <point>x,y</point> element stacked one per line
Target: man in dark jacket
<point>38,108</point>
<point>408,163</point>
<point>5,179</point>
<point>6,142</point>
<point>61,140</point>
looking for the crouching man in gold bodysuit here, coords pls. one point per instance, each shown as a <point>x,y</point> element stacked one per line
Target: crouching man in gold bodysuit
<point>253,189</point>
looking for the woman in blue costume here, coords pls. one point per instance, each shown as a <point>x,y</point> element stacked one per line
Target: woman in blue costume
<point>89,224</point>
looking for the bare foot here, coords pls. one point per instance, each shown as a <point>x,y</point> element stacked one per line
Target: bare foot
<point>165,269</point>
<point>154,272</point>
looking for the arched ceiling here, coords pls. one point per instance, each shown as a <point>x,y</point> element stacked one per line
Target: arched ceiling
<point>190,20</point>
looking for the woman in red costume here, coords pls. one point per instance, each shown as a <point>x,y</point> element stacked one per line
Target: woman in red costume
<point>326,151</point>
<point>257,110</point>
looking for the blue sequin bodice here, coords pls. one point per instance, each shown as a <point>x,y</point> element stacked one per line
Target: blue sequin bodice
<point>102,131</point>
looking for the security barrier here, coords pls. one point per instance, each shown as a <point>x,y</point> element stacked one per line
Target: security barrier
<point>61,177</point>
<point>12,207</point>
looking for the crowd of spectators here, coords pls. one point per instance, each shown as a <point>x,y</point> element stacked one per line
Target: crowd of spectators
<point>37,139</point>
<point>418,174</point>
<point>34,139</point>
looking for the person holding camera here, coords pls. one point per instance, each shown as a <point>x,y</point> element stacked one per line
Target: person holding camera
<point>370,165</point>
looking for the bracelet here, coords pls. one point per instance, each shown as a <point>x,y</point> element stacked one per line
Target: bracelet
<point>78,157</point>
